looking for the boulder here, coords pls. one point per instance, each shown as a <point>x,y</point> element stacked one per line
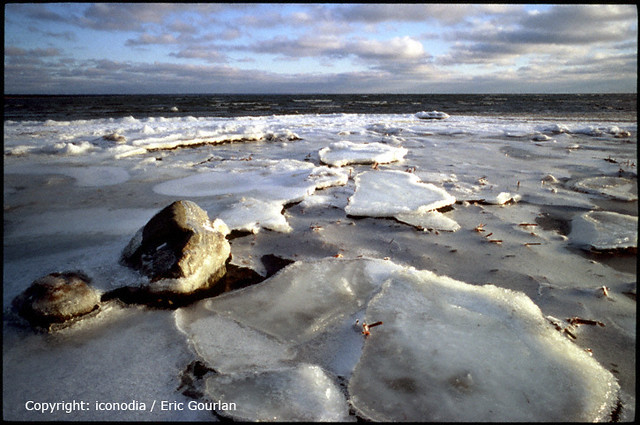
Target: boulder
<point>57,298</point>
<point>180,250</point>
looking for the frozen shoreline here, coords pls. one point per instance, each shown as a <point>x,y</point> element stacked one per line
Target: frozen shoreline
<point>74,205</point>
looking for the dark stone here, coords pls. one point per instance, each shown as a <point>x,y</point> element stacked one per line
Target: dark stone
<point>180,250</point>
<point>57,298</point>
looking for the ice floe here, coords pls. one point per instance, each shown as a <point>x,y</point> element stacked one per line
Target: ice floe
<point>605,230</point>
<point>400,195</point>
<point>614,187</point>
<point>428,220</point>
<point>387,193</point>
<point>449,351</point>
<point>344,152</point>
<point>445,351</point>
<point>301,393</point>
<point>261,189</point>
<point>218,340</point>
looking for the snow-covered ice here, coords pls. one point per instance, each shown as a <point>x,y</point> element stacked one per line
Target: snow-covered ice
<point>344,153</point>
<point>387,193</point>
<point>261,189</point>
<point>403,196</point>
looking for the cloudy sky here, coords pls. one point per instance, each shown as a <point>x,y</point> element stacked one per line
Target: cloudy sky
<point>92,48</point>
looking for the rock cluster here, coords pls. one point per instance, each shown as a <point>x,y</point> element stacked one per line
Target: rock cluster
<point>180,251</point>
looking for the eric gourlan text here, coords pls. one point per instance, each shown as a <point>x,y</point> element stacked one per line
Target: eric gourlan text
<point>197,405</point>
<point>133,405</point>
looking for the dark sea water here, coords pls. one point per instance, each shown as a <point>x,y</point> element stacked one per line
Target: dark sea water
<point>593,106</point>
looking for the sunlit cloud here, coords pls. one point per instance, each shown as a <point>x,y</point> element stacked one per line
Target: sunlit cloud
<point>166,47</point>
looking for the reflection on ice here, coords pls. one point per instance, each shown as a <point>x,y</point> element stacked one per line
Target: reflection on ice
<point>301,300</point>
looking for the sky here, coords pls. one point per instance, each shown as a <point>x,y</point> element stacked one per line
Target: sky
<point>140,48</point>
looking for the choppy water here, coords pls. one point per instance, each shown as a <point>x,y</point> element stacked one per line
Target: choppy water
<point>604,106</point>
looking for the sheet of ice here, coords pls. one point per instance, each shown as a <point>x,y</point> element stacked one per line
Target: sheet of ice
<point>228,346</point>
<point>614,187</point>
<point>385,129</point>
<point>449,351</point>
<point>273,180</point>
<point>81,221</point>
<point>344,152</point>
<point>302,299</point>
<point>428,220</point>
<point>85,175</point>
<point>446,350</point>
<point>605,230</point>
<point>105,359</point>
<point>250,215</point>
<point>300,393</point>
<point>388,193</point>
<point>262,188</point>
<point>324,177</point>
<point>468,146</point>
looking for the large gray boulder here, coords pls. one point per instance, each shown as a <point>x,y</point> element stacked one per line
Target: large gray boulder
<point>180,250</point>
<point>57,298</point>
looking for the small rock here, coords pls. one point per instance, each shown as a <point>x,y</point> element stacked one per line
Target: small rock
<point>115,137</point>
<point>56,298</point>
<point>180,250</point>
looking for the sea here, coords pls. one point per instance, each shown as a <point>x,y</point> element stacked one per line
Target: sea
<point>492,239</point>
<point>225,105</point>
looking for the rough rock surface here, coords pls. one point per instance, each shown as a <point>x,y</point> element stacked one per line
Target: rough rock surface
<point>56,298</point>
<point>180,250</point>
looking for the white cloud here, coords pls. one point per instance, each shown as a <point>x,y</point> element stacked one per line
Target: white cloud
<point>377,47</point>
<point>398,48</point>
